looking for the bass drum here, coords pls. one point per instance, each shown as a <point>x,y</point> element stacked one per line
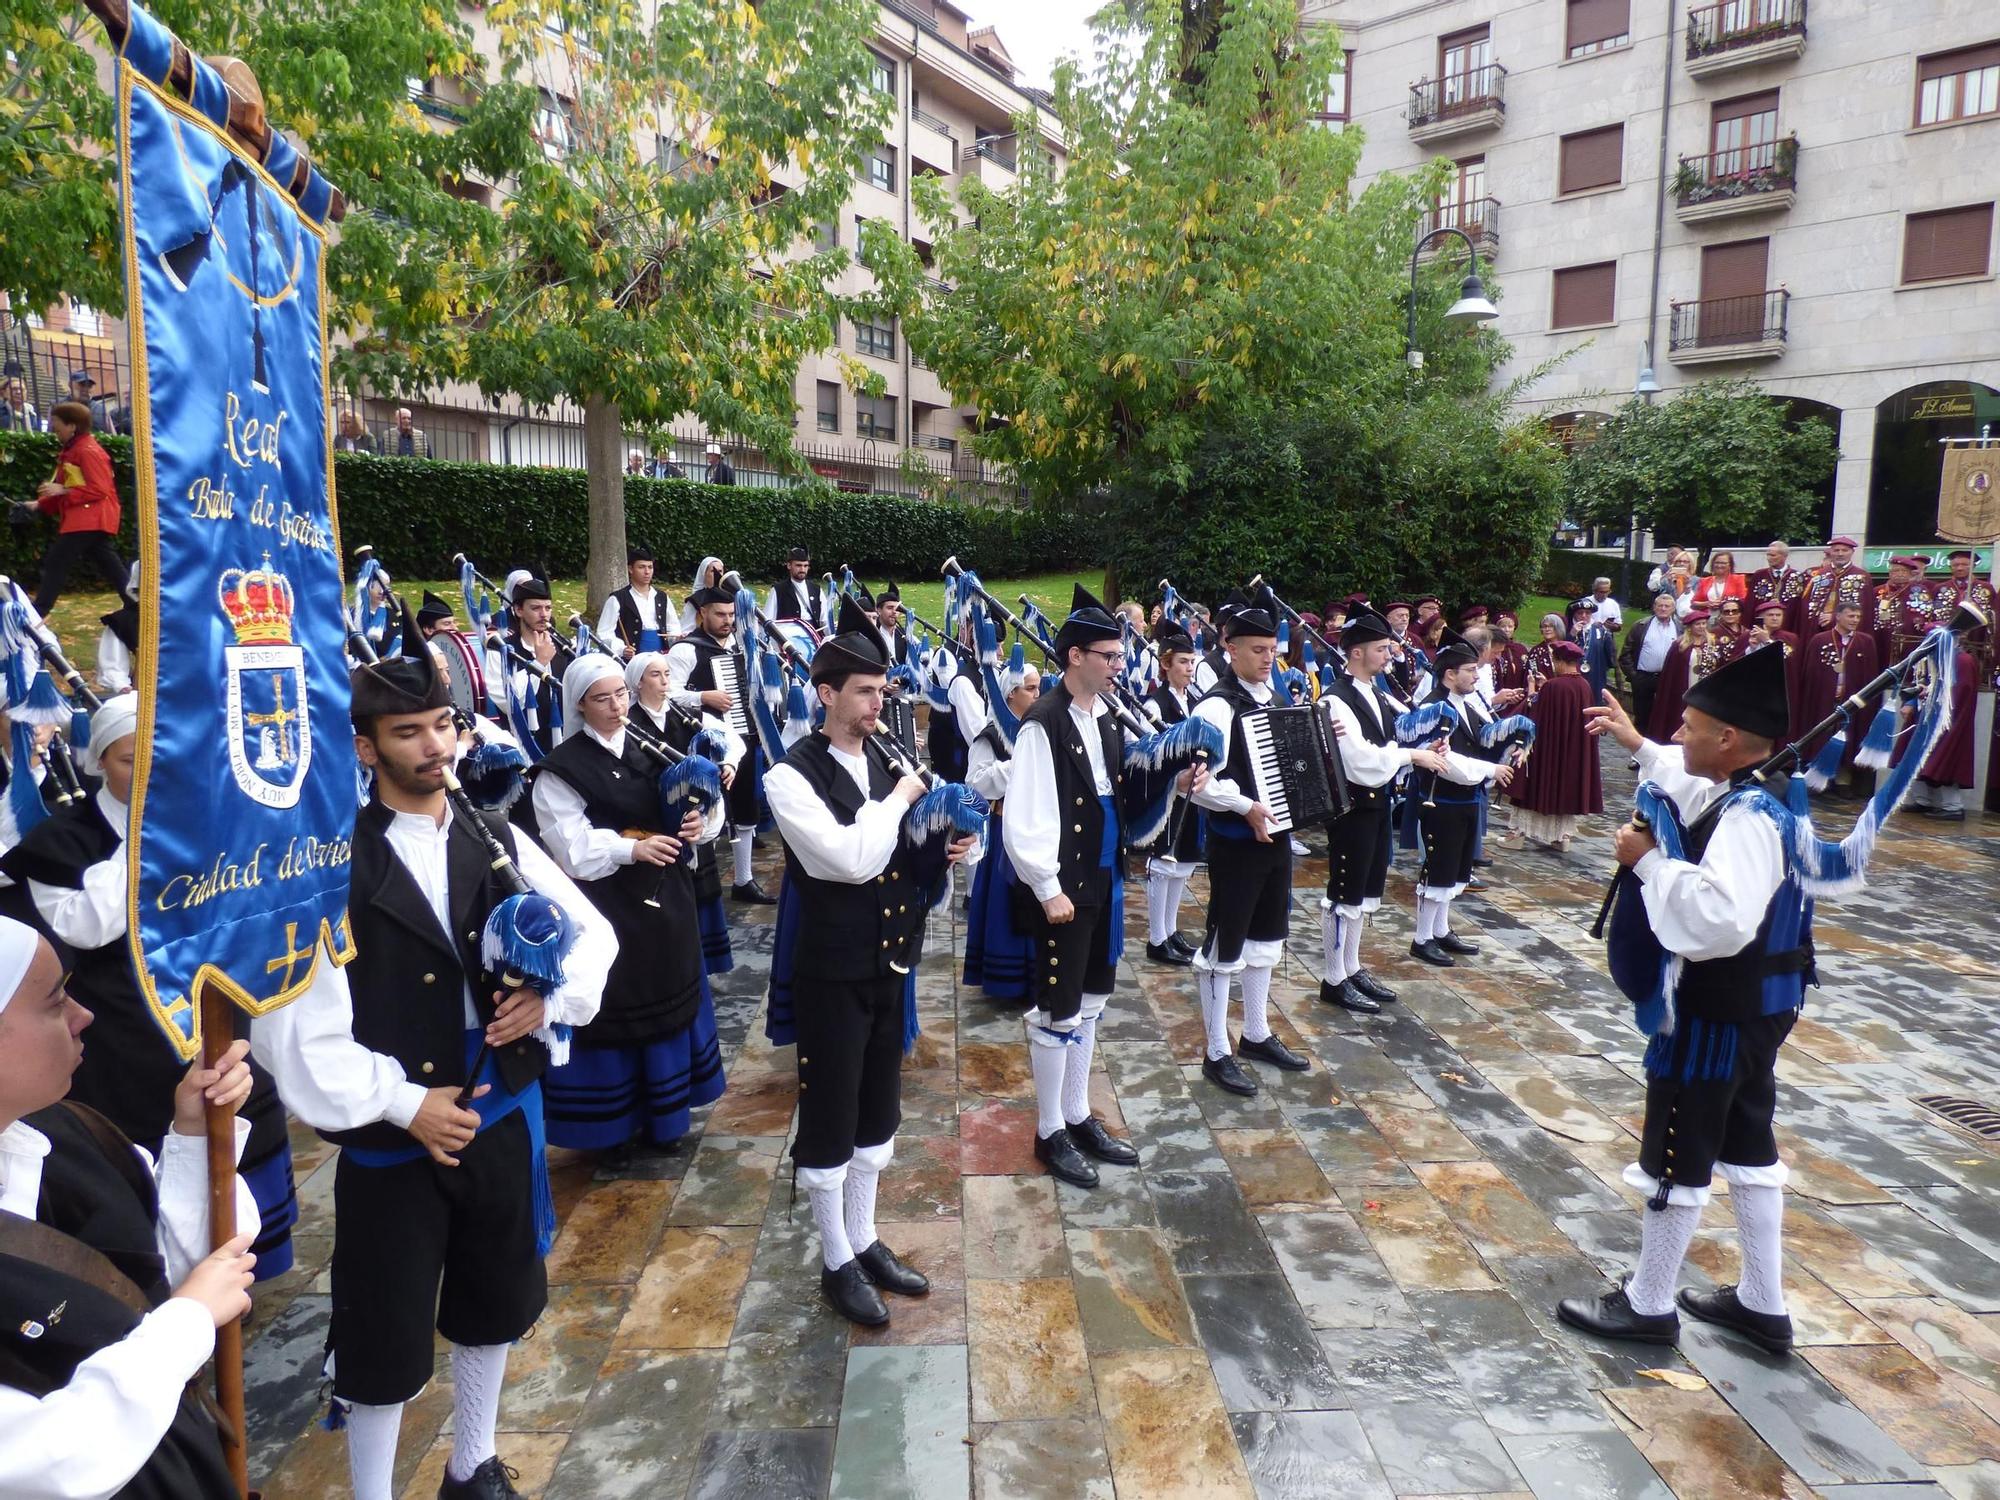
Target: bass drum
<point>463,670</point>
<point>801,637</point>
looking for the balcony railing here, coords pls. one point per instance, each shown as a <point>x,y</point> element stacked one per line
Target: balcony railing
<point>1478,217</point>
<point>923,117</point>
<point>921,11</point>
<point>1457,94</point>
<point>1742,23</point>
<point>1738,172</point>
<point>1729,322</point>
<point>996,153</point>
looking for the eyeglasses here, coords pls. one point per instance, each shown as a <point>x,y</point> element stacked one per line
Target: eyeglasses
<point>1113,657</point>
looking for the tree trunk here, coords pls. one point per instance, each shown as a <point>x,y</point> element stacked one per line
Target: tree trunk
<point>604,468</point>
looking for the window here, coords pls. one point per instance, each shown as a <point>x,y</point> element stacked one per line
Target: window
<point>1584,296</point>
<point>1340,93</point>
<point>880,169</point>
<point>1463,205</point>
<point>1734,280</point>
<point>1463,61</point>
<point>826,233</point>
<point>1743,134</point>
<point>875,417</point>
<point>1958,85</point>
<point>877,340</point>
<point>882,74</point>
<point>1591,159</point>
<point>1595,25</point>
<point>552,123</point>
<point>829,406</point>
<point>1952,242</point>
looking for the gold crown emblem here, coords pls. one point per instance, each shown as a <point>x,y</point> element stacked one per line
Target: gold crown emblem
<point>258,603</point>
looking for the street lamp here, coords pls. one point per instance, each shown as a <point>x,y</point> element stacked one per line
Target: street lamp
<point>1648,385</point>
<point>1471,306</point>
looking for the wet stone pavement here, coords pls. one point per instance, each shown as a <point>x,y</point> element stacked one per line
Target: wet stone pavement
<point>1342,1287</point>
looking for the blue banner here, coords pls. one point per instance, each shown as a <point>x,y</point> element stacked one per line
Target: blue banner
<point>243,798</point>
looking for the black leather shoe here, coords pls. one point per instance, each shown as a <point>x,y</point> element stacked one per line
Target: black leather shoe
<point>882,1266</point>
<point>1431,953</point>
<point>1372,987</point>
<point>1059,1154</point>
<point>1227,1073</point>
<point>1167,953</point>
<point>852,1296</point>
<point>1482,864</point>
<point>751,894</point>
<point>1093,1139</point>
<point>1476,884</point>
<point>1611,1317</point>
<point>492,1480</point>
<point>1347,997</point>
<point>1451,942</point>
<point>1274,1052</point>
<point>1177,941</point>
<point>1768,1331</point>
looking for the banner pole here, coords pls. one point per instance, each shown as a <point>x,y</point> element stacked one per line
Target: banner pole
<point>218,1031</point>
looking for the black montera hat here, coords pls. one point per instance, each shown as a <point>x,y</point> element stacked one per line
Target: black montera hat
<point>1364,626</point>
<point>531,588</point>
<point>1089,621</point>
<point>1454,651</point>
<point>434,610</point>
<point>406,684</point>
<point>855,648</point>
<point>1749,693</point>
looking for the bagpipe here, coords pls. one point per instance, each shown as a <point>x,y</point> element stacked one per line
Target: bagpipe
<point>947,811</point>
<point>380,621</point>
<point>1641,967</point>
<point>33,662</point>
<point>777,709</point>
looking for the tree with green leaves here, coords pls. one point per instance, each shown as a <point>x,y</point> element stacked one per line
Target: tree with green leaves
<point>1721,461</point>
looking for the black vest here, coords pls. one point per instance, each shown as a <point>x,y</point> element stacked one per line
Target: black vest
<point>1181,838</point>
<point>1372,708</point>
<point>1236,760</point>
<point>407,976</point>
<point>1732,988</point>
<point>655,983</point>
<point>1169,706</point>
<point>851,932</point>
<point>129,1070</point>
<point>547,689</point>
<point>706,649</point>
<point>123,622</point>
<point>800,602</point>
<point>97,1194</point>
<point>1079,815</point>
<point>629,623</point>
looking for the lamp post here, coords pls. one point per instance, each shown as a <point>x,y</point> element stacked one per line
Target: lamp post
<point>1645,388</point>
<point>1471,306</point>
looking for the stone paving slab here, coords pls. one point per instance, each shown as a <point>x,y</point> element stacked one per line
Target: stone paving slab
<point>1342,1287</point>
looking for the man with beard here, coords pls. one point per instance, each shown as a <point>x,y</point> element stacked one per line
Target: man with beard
<point>697,666</point>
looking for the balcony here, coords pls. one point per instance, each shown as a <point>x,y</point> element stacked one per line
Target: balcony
<point>1733,184</point>
<point>1744,34</point>
<point>1478,217</point>
<point>1729,328</point>
<point>995,165</point>
<point>1458,104</point>
<point>932,143</point>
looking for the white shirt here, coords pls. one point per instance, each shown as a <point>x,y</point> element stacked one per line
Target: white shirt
<point>650,618</point>
<point>330,1080</point>
<point>806,603</point>
<point>968,706</point>
<point>584,850</point>
<point>828,849</point>
<point>1608,612</point>
<point>1656,639</point>
<point>94,915</point>
<point>682,659</point>
<point>86,1440</point>
<point>1219,793</point>
<point>1467,770</point>
<point>10,831</point>
<point>985,772</point>
<point>1032,830</point>
<point>114,664</point>
<point>1713,909</point>
<point>1365,764</point>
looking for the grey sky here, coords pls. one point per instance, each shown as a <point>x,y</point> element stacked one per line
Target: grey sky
<point>1037,32</point>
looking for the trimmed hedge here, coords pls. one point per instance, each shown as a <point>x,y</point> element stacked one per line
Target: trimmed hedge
<point>418,512</point>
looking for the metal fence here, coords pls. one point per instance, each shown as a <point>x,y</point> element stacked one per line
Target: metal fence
<point>1458,94</point>
<point>1759,318</point>
<point>1741,23</point>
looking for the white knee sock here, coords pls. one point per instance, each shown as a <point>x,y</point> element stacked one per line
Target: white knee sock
<point>1441,923</point>
<point>740,845</point>
<point>1350,933</point>
<point>1176,892</point>
<point>1076,1073</point>
<point>1332,946</point>
<point>1760,1221</point>
<point>1426,919</point>
<point>1256,1004</point>
<point>826,1188</point>
<point>1048,1063</point>
<point>477,1372</point>
<point>371,1449</point>
<point>1663,1242</point>
<point>1215,1011</point>
<point>1159,916</point>
<point>864,1175</point>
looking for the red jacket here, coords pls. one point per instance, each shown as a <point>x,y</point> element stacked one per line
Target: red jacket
<point>89,501</point>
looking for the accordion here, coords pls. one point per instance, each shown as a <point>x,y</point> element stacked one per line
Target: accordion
<point>1295,768</point>
<point>732,679</point>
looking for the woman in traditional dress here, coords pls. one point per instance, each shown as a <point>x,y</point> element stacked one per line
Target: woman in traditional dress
<point>648,682</point>
<point>998,955</point>
<point>1559,782</point>
<point>650,1057</point>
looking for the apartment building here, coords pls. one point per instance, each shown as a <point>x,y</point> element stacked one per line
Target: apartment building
<point>1736,188</point>
<point>957,100</point>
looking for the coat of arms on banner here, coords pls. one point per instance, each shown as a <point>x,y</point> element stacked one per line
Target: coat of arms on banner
<point>1969,494</point>
<point>270,736</point>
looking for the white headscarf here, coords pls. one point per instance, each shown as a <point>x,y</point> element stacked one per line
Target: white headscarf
<point>115,721</point>
<point>582,675</point>
<point>636,669</point>
<point>17,950</point>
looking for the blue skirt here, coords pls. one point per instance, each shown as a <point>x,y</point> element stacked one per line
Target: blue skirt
<point>997,956</point>
<point>270,1183</point>
<point>611,1096</point>
<point>716,955</point>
